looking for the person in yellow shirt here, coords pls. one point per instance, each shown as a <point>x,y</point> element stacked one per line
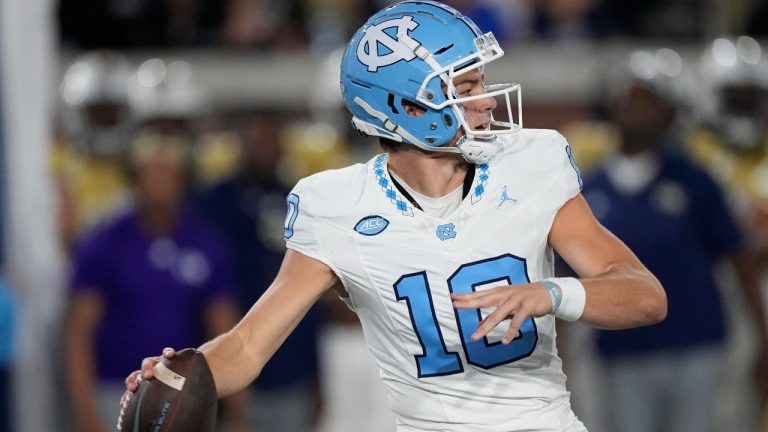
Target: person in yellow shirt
<point>96,126</point>
<point>732,142</point>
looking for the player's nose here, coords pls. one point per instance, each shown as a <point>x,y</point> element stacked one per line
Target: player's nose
<point>483,105</point>
<point>488,104</point>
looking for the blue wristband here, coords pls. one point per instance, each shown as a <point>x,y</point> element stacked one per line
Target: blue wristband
<point>554,294</point>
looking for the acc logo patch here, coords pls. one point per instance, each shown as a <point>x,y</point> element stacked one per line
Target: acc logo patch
<point>375,38</point>
<point>371,225</point>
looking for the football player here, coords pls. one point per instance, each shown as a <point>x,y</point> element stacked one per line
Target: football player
<point>444,243</point>
<point>97,125</point>
<point>732,142</point>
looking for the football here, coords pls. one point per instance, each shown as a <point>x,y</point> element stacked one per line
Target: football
<point>180,397</point>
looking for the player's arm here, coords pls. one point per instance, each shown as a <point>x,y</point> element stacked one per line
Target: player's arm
<point>237,356</point>
<point>620,291</point>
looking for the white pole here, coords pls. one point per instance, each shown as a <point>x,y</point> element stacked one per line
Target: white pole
<point>33,259</point>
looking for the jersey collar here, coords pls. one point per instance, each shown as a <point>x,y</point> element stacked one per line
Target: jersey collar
<point>403,205</point>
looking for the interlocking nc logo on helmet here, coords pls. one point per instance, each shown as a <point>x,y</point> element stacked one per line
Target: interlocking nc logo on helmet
<point>368,49</point>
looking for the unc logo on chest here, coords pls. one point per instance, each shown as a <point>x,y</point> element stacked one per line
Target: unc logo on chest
<point>376,38</point>
<point>446,231</point>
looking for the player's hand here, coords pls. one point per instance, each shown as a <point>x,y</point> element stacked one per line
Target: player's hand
<point>515,302</point>
<point>147,369</point>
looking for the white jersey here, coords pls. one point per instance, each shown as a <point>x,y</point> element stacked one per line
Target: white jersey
<point>399,266</point>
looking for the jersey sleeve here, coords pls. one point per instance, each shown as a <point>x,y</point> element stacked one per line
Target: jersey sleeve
<point>571,180</point>
<point>302,223</point>
<point>557,170</point>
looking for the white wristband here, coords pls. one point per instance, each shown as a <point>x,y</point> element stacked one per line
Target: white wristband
<point>573,298</point>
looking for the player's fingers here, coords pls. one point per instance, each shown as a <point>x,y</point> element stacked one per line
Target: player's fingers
<point>148,365</point>
<point>133,380</point>
<point>509,306</point>
<point>514,327</point>
<point>475,300</point>
<point>491,321</point>
<point>125,398</point>
<point>474,294</point>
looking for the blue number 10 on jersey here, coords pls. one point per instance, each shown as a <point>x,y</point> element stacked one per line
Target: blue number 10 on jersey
<point>436,360</point>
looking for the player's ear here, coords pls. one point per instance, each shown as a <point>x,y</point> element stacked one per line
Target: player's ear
<point>413,109</point>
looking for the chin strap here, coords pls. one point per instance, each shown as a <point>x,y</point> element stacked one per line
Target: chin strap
<point>477,151</point>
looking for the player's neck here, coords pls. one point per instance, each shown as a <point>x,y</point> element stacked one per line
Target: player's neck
<point>428,173</point>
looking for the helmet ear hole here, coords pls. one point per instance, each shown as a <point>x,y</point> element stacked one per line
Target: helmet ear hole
<point>448,120</point>
<point>412,108</point>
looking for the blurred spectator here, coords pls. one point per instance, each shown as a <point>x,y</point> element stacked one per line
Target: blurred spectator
<point>324,25</point>
<point>249,208</point>
<point>156,275</point>
<point>139,23</point>
<point>96,125</point>
<point>166,94</point>
<point>7,341</point>
<point>673,216</point>
<point>732,142</point>
<point>736,72</point>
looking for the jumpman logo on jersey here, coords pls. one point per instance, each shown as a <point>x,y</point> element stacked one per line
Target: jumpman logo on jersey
<point>505,198</point>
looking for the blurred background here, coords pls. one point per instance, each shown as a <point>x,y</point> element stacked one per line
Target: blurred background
<point>146,148</point>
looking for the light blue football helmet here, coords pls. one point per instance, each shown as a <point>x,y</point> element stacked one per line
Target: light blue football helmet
<point>412,51</point>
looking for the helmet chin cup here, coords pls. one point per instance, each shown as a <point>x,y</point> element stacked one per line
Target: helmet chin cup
<point>477,150</point>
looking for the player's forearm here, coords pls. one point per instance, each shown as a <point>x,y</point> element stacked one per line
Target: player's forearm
<point>231,364</point>
<point>237,357</point>
<point>624,298</point>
